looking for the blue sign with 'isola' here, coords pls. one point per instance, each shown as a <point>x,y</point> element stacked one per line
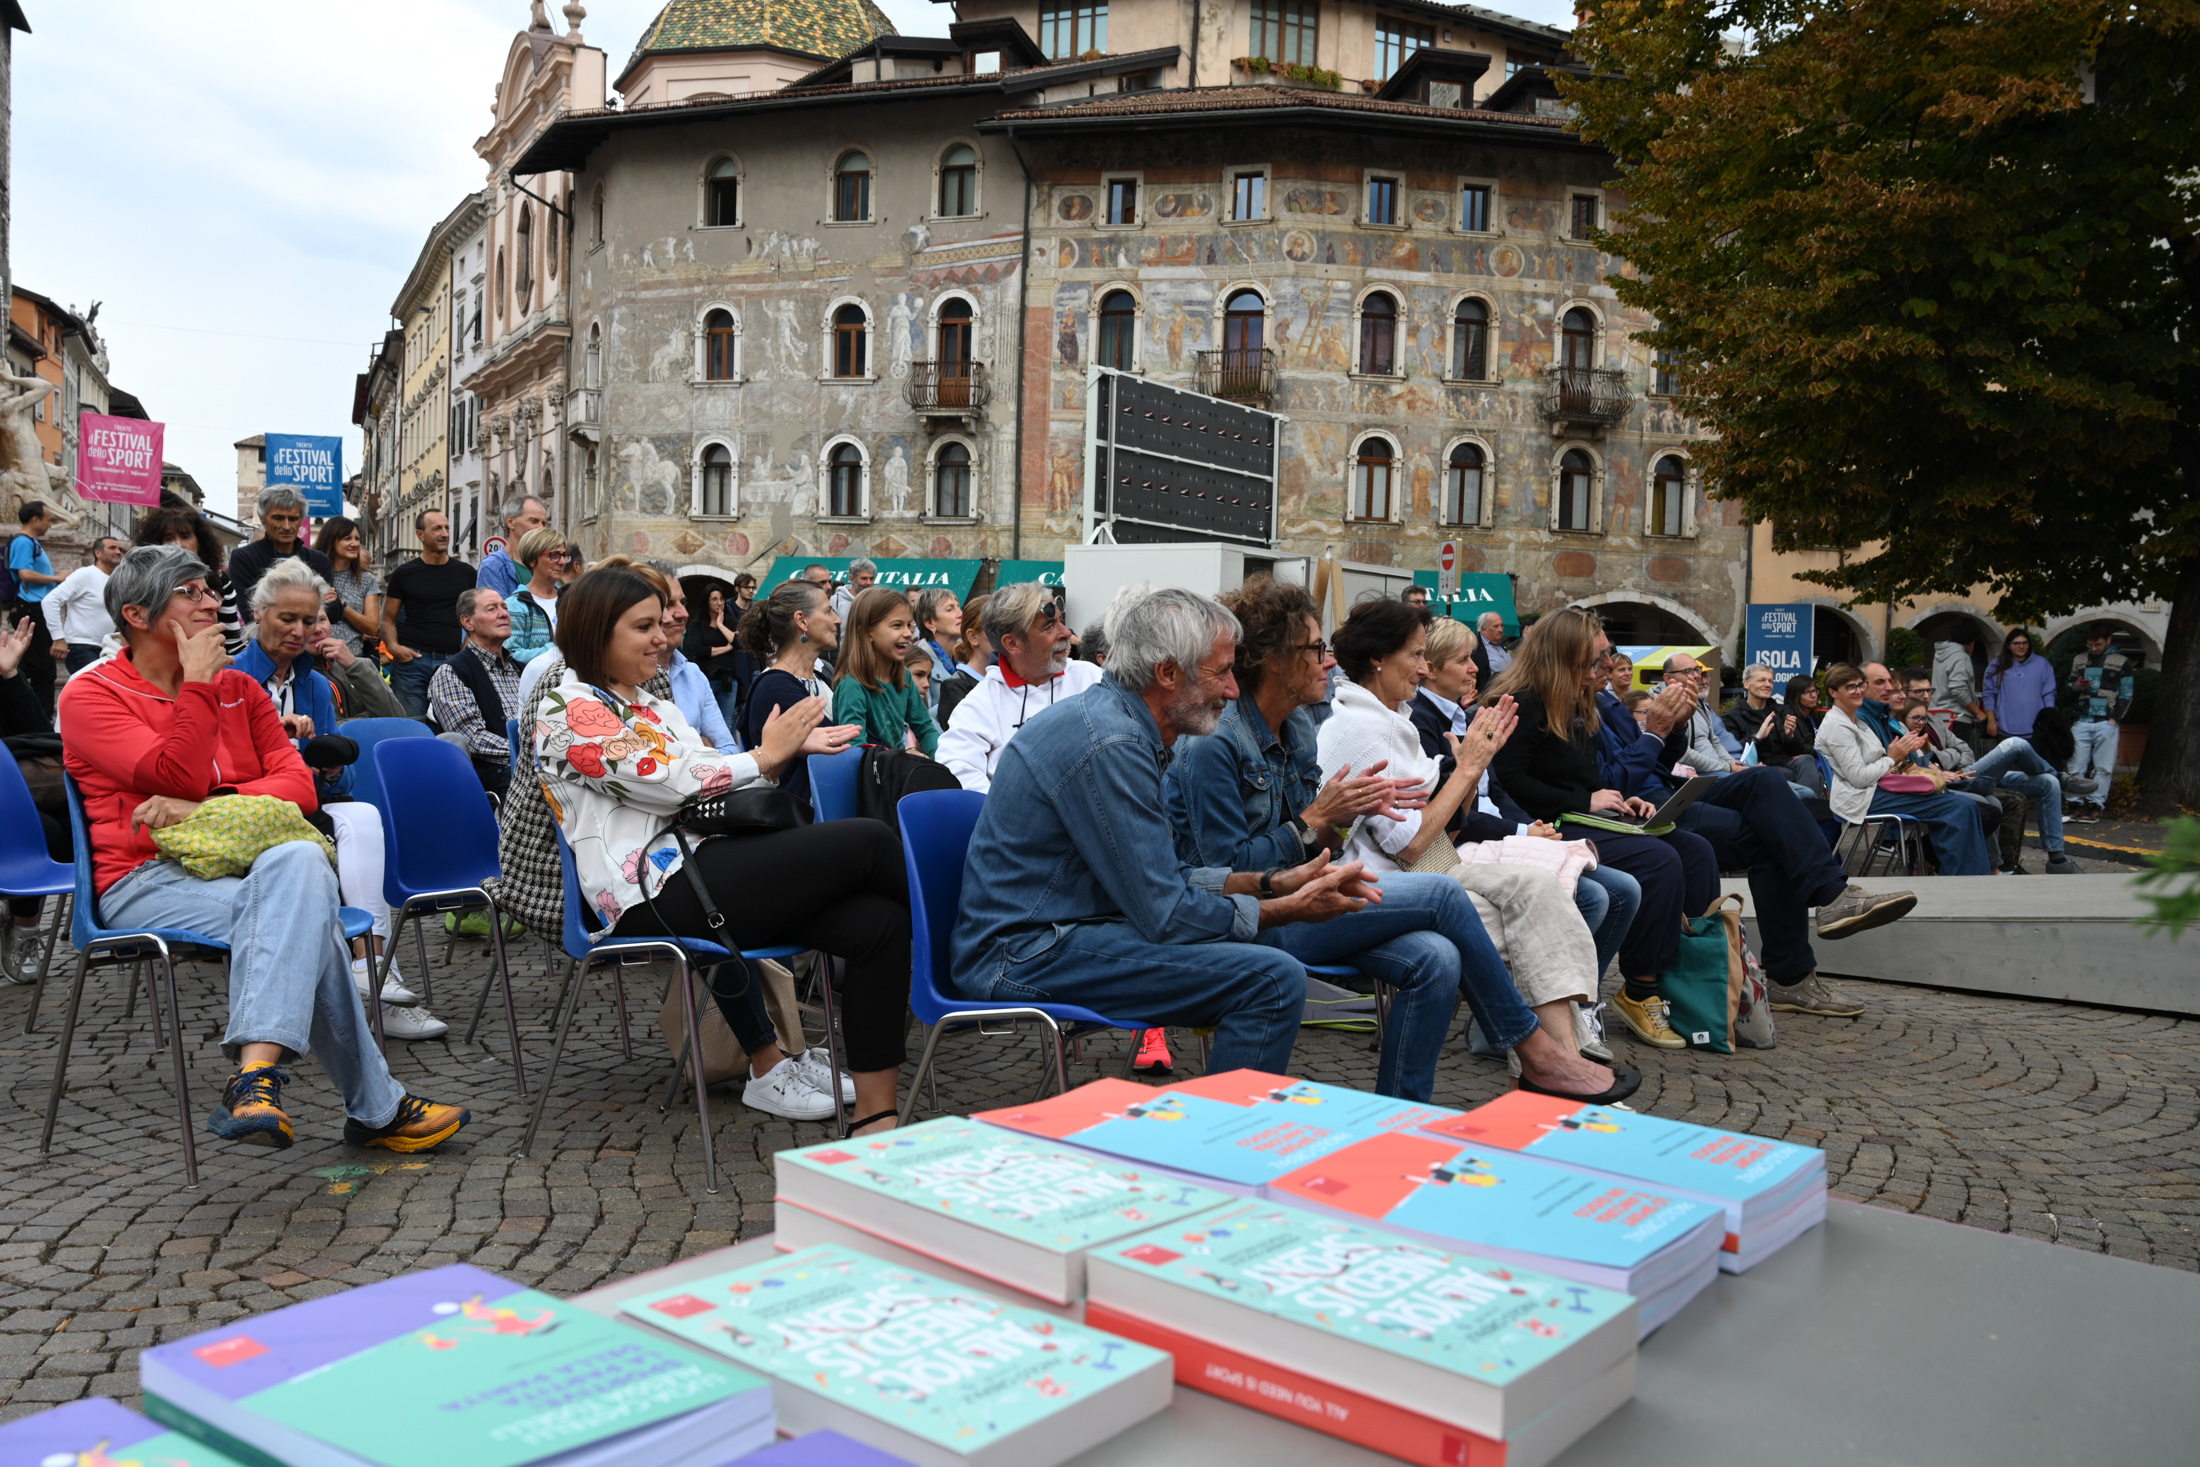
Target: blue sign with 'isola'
<point>1779,637</point>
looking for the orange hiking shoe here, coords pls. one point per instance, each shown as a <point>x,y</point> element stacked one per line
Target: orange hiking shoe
<point>251,1108</point>
<point>1153,1053</point>
<point>419,1125</point>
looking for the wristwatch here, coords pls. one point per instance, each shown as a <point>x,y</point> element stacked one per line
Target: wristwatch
<point>1308,841</point>
<point>1268,883</point>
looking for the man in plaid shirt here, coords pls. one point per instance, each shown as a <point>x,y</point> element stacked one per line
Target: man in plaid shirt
<point>478,689</point>
<point>2100,684</point>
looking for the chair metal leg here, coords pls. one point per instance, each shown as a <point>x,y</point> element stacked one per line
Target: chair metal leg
<point>183,1083</point>
<point>144,971</point>
<point>832,1042</point>
<point>1051,1035</point>
<point>511,1015</point>
<point>931,1080</point>
<point>702,1088</point>
<point>420,939</point>
<point>1382,1012</point>
<point>618,985</point>
<point>568,1001</point>
<point>61,1052</point>
<point>932,1033</point>
<point>129,1007</point>
<point>45,961</point>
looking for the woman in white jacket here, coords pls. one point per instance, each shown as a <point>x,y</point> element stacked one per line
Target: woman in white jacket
<point>1858,760</point>
<point>617,763</point>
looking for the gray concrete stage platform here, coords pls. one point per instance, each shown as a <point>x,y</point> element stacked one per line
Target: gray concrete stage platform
<point>1878,1338</point>
<point>2073,939</point>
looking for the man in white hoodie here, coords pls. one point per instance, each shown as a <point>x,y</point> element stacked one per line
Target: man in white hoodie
<point>1031,672</point>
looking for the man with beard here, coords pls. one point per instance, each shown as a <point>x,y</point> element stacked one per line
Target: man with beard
<point>1031,672</point>
<point>1075,893</point>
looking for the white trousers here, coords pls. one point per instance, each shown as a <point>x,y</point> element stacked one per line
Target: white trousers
<point>359,859</point>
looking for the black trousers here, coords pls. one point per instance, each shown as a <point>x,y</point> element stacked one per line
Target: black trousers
<point>1679,877</point>
<point>1753,820</point>
<point>838,887</point>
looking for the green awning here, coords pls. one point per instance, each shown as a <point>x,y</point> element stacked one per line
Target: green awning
<point>1479,591</point>
<point>1015,572</point>
<point>904,575</point>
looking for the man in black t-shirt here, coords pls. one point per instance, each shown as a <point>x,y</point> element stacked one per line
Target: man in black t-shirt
<point>420,612</point>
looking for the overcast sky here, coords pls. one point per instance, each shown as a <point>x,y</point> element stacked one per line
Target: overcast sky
<point>244,186</point>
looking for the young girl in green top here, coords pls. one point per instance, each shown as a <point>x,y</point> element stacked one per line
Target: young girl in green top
<point>874,687</point>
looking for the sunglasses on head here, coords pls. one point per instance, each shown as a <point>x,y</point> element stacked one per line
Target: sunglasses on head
<point>1047,614</point>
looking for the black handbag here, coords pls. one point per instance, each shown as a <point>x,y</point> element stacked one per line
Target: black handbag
<point>757,810</point>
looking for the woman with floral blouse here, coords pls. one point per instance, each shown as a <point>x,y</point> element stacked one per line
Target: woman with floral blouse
<point>617,763</point>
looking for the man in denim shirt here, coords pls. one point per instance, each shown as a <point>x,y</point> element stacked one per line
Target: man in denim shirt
<point>1073,892</point>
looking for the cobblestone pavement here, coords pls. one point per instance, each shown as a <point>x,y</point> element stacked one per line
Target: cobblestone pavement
<point>2068,1124</point>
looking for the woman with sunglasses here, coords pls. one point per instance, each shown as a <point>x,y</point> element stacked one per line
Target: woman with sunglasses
<point>534,606</point>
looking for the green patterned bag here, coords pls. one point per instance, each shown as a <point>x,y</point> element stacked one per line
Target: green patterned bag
<point>227,834</point>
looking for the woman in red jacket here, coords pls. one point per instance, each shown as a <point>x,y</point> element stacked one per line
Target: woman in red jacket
<point>151,734</point>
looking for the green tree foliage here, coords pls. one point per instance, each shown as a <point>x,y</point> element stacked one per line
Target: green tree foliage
<point>1931,275</point>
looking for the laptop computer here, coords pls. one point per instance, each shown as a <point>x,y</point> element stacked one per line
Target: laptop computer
<point>1658,821</point>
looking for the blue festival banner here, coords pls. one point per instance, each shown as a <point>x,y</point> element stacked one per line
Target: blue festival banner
<point>312,466</point>
<point>1780,637</point>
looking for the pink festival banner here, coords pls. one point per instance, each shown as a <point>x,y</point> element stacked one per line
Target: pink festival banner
<point>118,460</point>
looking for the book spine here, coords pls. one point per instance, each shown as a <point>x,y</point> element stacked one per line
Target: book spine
<point>1303,1400</point>
<point>176,1419</point>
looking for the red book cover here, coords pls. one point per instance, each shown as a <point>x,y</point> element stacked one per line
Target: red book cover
<point>1076,1110</point>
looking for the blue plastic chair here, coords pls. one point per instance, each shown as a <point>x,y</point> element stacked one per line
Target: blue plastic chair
<point>935,836</point>
<point>365,783</point>
<point>25,868</point>
<point>111,947</point>
<point>440,845</point>
<point>833,783</point>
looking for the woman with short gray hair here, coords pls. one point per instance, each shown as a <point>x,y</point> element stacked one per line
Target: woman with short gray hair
<point>150,735</point>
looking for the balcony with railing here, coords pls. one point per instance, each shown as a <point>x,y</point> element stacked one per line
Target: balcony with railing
<point>1595,396</point>
<point>1241,374</point>
<point>948,389</point>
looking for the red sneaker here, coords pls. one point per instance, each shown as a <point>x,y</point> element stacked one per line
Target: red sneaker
<point>1153,1053</point>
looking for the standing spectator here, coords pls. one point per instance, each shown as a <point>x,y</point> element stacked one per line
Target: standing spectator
<point>940,620</point>
<point>420,629</point>
<point>2101,684</point>
<point>476,689</point>
<point>34,582</point>
<point>76,612</point>
<point>1621,677</point>
<point>576,565</point>
<point>1955,685</point>
<point>361,690</point>
<point>1415,596</point>
<point>788,630</point>
<point>282,512</point>
<point>22,945</point>
<point>1032,672</point>
<point>1491,627</point>
<point>1859,761</point>
<point>501,571</point>
<point>2018,686</point>
<point>356,611</point>
<point>709,645</point>
<point>184,526</point>
<point>534,606</point>
<point>818,575</point>
<point>744,592</point>
<point>862,574</point>
<point>873,688</point>
<point>151,733</point>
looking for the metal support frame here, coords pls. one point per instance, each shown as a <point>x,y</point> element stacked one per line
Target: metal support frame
<point>1863,845</point>
<point>981,1017</point>
<point>126,947</point>
<point>45,960</point>
<point>458,899</point>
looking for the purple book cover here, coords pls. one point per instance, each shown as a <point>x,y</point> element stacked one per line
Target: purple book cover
<point>823,1449</point>
<point>241,1359</point>
<point>96,1430</point>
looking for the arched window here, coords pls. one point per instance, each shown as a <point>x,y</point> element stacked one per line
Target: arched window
<point>1118,330</point>
<point>722,194</point>
<point>1379,334</point>
<point>951,482</point>
<point>852,188</point>
<point>718,348</point>
<point>1463,486</point>
<point>849,331</point>
<point>845,481</point>
<point>592,358</point>
<point>1668,497</point>
<point>1244,324</point>
<point>717,485</point>
<point>1470,342</point>
<point>959,181</point>
<point>526,248</point>
<point>1371,480</point>
<point>1576,474</point>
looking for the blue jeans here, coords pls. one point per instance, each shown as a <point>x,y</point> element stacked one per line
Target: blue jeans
<point>81,655</point>
<point>1425,940</point>
<point>409,680</point>
<point>1250,994</point>
<point>1958,834</point>
<point>2015,765</point>
<point>1608,898</point>
<point>2095,757</point>
<point>289,971</point>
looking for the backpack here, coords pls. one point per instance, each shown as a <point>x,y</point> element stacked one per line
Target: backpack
<point>888,774</point>
<point>10,590</point>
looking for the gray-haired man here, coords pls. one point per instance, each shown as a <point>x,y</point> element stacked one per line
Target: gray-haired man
<point>499,572</point>
<point>282,511</point>
<point>1031,672</point>
<point>862,575</point>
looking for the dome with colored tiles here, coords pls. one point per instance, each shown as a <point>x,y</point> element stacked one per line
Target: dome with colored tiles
<point>828,29</point>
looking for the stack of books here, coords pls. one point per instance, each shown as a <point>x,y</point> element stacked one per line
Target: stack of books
<point>451,1365</point>
<point>1430,1356</point>
<point>975,1205</point>
<point>1771,1191</point>
<point>929,1370</point>
<point>1661,1248</point>
<point>1236,1131</point>
<point>818,1449</point>
<point>95,1432</point>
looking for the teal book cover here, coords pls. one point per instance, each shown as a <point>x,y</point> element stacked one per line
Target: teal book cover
<point>1480,1319</point>
<point>946,1364</point>
<point>1044,1195</point>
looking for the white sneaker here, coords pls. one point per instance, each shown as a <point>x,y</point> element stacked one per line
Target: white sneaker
<point>393,991</point>
<point>812,1064</point>
<point>783,1092</point>
<point>411,1023</point>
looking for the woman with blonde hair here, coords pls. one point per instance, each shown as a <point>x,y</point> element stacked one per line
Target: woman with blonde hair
<point>534,606</point>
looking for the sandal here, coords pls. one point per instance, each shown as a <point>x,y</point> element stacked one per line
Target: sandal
<point>888,1115</point>
<point>1625,1082</point>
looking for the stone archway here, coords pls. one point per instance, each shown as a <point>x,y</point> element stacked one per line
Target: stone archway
<point>1637,618</point>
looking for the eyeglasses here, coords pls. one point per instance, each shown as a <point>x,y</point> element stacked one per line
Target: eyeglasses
<point>1319,648</point>
<point>194,596</point>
